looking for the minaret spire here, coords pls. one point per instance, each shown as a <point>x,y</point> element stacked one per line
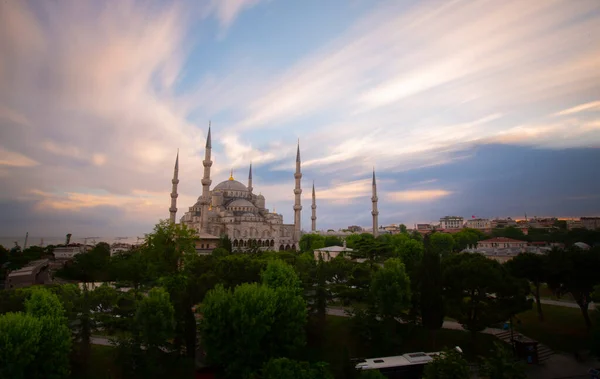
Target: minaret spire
<point>250,179</point>
<point>298,199</point>
<point>206,182</point>
<point>313,226</point>
<point>175,182</point>
<point>374,212</point>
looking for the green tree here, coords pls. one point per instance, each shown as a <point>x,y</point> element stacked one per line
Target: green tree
<point>155,318</point>
<point>285,368</point>
<point>467,237</point>
<point>431,290</point>
<point>168,248</point>
<point>52,361</point>
<point>479,292</point>
<point>371,374</point>
<point>450,364</point>
<point>533,268</point>
<point>332,241</point>
<point>502,365</point>
<point>403,229</point>
<point>279,274</point>
<point>509,232</point>
<point>310,242</point>
<point>258,320</point>
<point>575,271</point>
<point>20,336</point>
<point>442,243</point>
<point>225,243</point>
<point>390,289</point>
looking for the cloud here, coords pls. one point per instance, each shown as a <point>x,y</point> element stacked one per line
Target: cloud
<point>228,10</point>
<point>591,106</point>
<point>14,159</point>
<point>95,101</point>
<point>417,195</point>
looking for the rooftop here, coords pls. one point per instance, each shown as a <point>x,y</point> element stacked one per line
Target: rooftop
<point>502,239</point>
<point>338,249</point>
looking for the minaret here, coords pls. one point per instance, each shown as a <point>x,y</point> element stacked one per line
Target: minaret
<point>175,181</point>
<point>205,202</point>
<point>297,193</point>
<point>374,212</point>
<point>313,218</point>
<point>250,179</point>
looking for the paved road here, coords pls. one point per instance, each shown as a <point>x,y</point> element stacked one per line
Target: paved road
<point>560,303</point>
<point>95,340</point>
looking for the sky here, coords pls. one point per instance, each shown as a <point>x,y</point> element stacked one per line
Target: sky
<point>473,108</point>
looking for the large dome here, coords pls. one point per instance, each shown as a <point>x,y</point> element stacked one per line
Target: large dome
<point>230,185</point>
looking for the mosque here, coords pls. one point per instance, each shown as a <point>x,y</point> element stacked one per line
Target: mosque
<point>233,209</point>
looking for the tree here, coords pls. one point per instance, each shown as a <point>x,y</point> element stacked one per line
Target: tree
<point>430,289</point>
<point>595,340</point>
<point>332,241</point>
<point>467,237</point>
<point>225,243</point>
<point>575,271</point>
<point>442,243</point>
<point>155,319</point>
<point>19,344</point>
<point>479,291</point>
<point>52,361</point>
<point>168,248</point>
<point>450,364</point>
<point>279,274</point>
<point>403,229</point>
<point>509,232</point>
<point>531,267</point>
<point>260,321</point>
<point>311,241</point>
<point>371,374</point>
<point>285,368</point>
<point>130,268</point>
<point>502,365</point>
<point>390,289</point>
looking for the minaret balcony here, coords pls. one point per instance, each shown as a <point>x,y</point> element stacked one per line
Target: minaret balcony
<point>297,191</point>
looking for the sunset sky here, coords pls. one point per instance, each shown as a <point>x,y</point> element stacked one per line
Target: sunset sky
<point>486,108</point>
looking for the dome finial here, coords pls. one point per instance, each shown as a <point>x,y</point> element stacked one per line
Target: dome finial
<point>231,175</point>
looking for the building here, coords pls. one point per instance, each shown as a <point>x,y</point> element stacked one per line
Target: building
<point>355,228</point>
<point>479,223</point>
<point>451,222</point>
<point>503,222</point>
<point>329,253</point>
<point>591,223</point>
<point>501,242</point>
<point>574,224</point>
<point>119,247</point>
<point>69,251</point>
<point>36,272</point>
<point>233,209</point>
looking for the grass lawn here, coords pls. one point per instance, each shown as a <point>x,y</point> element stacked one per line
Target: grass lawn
<point>563,328</point>
<point>546,293</point>
<point>102,365</point>
<point>339,342</point>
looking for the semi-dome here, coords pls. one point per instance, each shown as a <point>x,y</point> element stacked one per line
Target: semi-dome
<point>230,185</point>
<point>240,203</point>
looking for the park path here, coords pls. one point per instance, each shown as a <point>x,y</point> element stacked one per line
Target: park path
<point>562,303</point>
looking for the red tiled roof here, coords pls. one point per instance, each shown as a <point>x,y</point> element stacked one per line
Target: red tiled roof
<point>501,239</point>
